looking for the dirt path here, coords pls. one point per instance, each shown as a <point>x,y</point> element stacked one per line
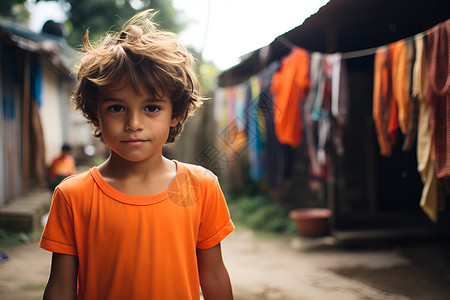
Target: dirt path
<point>272,268</point>
<point>24,275</point>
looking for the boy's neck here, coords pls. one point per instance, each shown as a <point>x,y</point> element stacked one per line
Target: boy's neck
<point>115,164</point>
<point>138,178</point>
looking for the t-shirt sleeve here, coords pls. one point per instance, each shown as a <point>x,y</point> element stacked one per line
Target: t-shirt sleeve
<point>58,235</point>
<point>216,223</point>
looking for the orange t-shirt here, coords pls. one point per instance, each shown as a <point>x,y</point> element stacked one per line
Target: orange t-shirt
<point>132,247</point>
<point>290,86</point>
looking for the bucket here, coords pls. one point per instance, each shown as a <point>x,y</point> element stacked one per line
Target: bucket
<point>311,222</point>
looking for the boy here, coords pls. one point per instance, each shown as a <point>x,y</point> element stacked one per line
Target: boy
<point>139,226</point>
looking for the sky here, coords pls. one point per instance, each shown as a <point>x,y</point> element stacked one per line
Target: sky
<point>222,30</point>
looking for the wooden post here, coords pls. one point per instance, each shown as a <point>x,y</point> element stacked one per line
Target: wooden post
<point>26,122</point>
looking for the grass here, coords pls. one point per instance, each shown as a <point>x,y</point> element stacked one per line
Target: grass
<point>33,286</point>
<point>8,238</point>
<point>14,238</point>
<point>259,213</point>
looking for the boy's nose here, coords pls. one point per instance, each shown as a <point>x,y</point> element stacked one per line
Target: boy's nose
<point>134,122</point>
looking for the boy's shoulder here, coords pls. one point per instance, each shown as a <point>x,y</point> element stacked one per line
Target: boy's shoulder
<point>78,182</point>
<point>197,172</point>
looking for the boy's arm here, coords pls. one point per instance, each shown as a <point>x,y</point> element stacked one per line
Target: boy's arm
<point>62,284</point>
<point>214,278</point>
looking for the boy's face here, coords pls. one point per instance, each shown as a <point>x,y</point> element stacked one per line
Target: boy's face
<point>134,125</point>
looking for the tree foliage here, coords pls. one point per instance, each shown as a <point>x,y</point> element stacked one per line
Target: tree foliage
<point>6,6</point>
<point>103,15</point>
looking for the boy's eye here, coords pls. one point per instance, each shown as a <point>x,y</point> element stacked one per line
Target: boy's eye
<point>116,108</point>
<point>152,108</point>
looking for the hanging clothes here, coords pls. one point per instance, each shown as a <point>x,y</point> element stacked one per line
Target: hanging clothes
<point>229,133</point>
<point>238,125</point>
<point>220,102</point>
<point>289,87</point>
<point>340,93</point>
<point>322,108</point>
<point>317,112</point>
<point>400,81</point>
<point>231,95</point>
<point>255,130</point>
<point>310,126</point>
<point>411,133</point>
<point>229,115</point>
<point>425,157</point>
<point>384,110</point>
<point>275,154</point>
<point>426,163</point>
<point>438,94</point>
<point>340,100</point>
<point>239,107</point>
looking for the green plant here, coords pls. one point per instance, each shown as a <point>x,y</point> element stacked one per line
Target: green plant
<point>33,286</point>
<point>259,213</point>
<point>8,238</point>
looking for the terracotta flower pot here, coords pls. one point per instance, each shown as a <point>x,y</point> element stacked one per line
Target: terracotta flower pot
<point>311,222</point>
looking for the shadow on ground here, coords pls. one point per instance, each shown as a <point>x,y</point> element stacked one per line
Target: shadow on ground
<point>426,277</point>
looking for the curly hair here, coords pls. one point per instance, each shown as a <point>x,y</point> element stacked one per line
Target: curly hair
<point>140,53</point>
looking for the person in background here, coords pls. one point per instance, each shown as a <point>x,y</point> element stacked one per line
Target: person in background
<point>138,226</point>
<point>61,167</point>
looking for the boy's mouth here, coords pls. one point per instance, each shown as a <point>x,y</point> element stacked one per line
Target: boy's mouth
<point>134,142</point>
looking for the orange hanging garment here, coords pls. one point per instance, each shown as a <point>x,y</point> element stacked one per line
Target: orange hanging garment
<point>400,81</point>
<point>384,106</point>
<point>290,86</point>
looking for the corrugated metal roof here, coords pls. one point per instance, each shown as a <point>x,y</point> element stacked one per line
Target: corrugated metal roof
<point>51,47</point>
<point>344,26</point>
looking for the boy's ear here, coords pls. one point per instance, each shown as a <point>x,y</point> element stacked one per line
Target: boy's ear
<point>96,123</point>
<point>174,122</point>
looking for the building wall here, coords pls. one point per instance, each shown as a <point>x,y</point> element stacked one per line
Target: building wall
<point>79,131</point>
<point>11,66</point>
<point>2,144</point>
<point>51,113</point>
<point>35,114</point>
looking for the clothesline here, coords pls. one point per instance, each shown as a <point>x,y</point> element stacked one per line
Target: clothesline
<point>345,55</point>
<point>359,53</point>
